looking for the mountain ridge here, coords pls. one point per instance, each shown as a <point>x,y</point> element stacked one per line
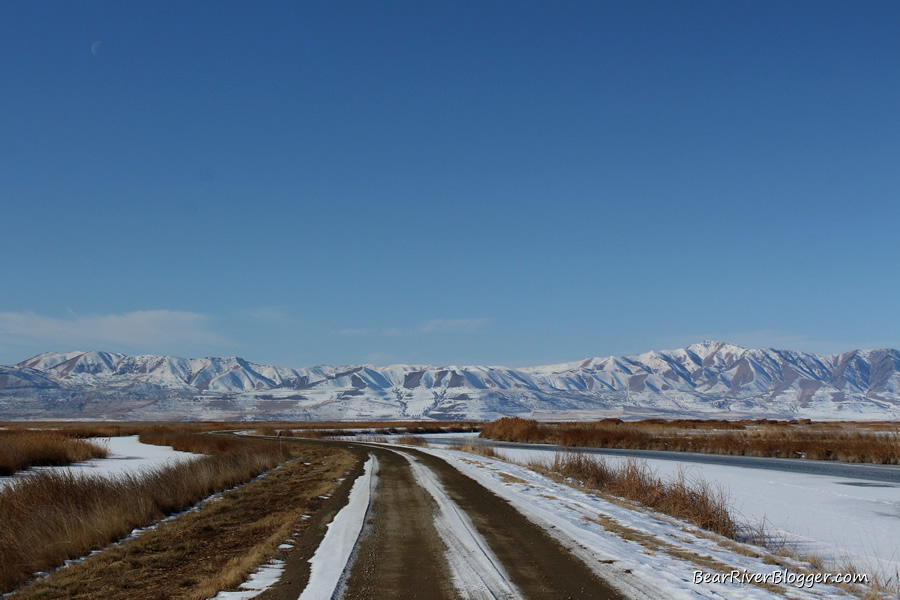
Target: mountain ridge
<point>709,379</point>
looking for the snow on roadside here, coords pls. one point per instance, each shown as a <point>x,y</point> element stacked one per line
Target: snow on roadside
<point>332,558</point>
<point>838,519</point>
<point>265,577</point>
<point>648,555</point>
<point>476,571</point>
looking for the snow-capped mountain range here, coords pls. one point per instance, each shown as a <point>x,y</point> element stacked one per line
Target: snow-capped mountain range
<point>709,379</point>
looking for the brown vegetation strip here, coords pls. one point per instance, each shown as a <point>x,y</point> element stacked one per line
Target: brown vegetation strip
<point>23,448</point>
<point>326,430</point>
<point>306,429</point>
<point>50,517</point>
<point>84,429</point>
<point>849,442</point>
<point>695,501</point>
<point>212,548</point>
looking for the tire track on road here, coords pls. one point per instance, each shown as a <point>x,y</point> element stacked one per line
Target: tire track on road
<point>513,559</point>
<point>331,559</point>
<point>476,571</point>
<point>400,553</point>
<point>433,533</point>
<point>536,563</point>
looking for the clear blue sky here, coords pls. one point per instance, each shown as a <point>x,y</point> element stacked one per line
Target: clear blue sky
<point>509,183</point>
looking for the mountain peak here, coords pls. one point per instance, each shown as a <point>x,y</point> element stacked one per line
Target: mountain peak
<point>711,348</point>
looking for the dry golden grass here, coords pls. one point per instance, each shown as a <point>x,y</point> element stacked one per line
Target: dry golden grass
<point>851,442</point>
<point>306,429</point>
<point>318,434</point>
<point>474,447</point>
<point>326,430</point>
<point>49,517</point>
<point>85,429</point>
<point>210,549</point>
<point>411,440</point>
<point>187,440</point>
<point>383,427</point>
<point>695,501</point>
<point>22,449</point>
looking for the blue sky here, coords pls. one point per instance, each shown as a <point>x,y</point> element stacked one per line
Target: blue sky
<point>510,183</point>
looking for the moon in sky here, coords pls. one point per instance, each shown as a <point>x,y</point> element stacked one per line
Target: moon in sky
<point>95,48</point>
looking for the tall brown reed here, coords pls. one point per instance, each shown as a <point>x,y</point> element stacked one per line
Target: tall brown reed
<point>49,517</point>
<point>852,443</point>
<point>185,440</point>
<point>695,501</point>
<point>411,440</point>
<point>23,449</point>
<point>473,447</point>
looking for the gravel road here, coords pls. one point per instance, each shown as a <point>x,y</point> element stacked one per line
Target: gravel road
<point>433,533</point>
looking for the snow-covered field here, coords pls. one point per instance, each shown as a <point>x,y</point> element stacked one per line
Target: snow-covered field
<point>126,455</point>
<point>840,520</point>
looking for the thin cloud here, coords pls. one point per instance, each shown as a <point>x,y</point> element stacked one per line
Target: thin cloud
<point>454,325</point>
<point>469,326</point>
<point>351,331</point>
<point>395,331</point>
<point>439,326</point>
<point>271,314</point>
<point>149,330</point>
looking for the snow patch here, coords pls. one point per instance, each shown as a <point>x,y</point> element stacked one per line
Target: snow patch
<point>331,562</point>
<point>258,582</point>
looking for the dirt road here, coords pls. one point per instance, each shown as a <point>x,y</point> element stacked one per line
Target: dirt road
<point>432,533</point>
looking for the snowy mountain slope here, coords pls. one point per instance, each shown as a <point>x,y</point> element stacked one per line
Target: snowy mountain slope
<point>706,379</point>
